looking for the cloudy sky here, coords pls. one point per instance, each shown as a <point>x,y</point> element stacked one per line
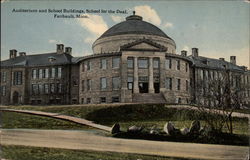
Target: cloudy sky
<point>217,28</point>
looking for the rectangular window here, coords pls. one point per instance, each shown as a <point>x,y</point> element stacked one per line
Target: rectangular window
<point>40,73</point>
<point>3,76</point>
<point>156,63</point>
<point>116,62</point>
<point>130,82</point>
<point>116,83</point>
<point>83,85</point>
<point>59,72</point>
<point>34,74</point>
<point>168,63</point>
<point>82,100</point>
<point>89,84</point>
<point>178,84</point>
<point>103,64</point>
<point>46,88</point>
<point>187,85</point>
<point>168,83</point>
<point>47,73</point>
<point>130,62</point>
<point>17,79</point>
<point>3,90</point>
<point>52,88</point>
<point>102,99</point>
<point>88,66</point>
<point>186,67</point>
<point>83,67</point>
<point>34,88</point>
<point>178,64</point>
<point>143,63</point>
<point>115,99</point>
<point>88,100</point>
<point>59,87</point>
<point>103,81</point>
<point>53,72</point>
<point>40,88</point>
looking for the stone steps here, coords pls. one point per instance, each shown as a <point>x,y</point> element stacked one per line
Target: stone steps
<point>148,98</point>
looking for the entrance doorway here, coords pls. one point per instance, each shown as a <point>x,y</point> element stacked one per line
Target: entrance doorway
<point>15,97</point>
<point>143,87</point>
<point>157,87</point>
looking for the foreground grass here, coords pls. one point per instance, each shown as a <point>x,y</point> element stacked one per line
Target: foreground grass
<point>39,153</point>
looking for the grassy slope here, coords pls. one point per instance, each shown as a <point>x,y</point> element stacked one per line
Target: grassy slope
<point>38,153</point>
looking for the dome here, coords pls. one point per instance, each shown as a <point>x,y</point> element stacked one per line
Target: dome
<point>134,25</point>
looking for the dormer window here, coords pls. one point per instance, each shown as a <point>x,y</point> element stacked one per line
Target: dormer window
<point>51,59</point>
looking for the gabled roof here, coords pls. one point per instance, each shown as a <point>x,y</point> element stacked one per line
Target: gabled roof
<point>38,60</point>
<point>204,62</point>
<point>156,46</point>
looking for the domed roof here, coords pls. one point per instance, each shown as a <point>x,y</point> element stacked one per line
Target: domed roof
<point>134,25</point>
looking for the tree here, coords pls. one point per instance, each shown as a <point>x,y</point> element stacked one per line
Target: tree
<point>219,94</point>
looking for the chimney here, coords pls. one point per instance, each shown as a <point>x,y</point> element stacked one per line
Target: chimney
<point>13,53</point>
<point>59,48</point>
<point>184,53</point>
<point>68,50</point>
<point>223,59</point>
<point>233,59</point>
<point>22,54</point>
<point>195,52</point>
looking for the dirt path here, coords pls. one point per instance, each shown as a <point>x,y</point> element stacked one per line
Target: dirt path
<point>83,140</point>
<point>62,117</point>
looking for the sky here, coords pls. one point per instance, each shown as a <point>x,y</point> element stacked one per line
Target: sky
<point>217,28</point>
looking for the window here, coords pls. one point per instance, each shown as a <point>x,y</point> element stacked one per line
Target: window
<point>102,99</point>
<point>52,88</point>
<point>3,76</point>
<point>178,100</point>
<point>168,63</point>
<point>17,80</point>
<point>34,74</point>
<point>40,88</point>
<point>103,81</point>
<point>116,62</point>
<point>88,100</point>
<point>83,67</point>
<point>34,88</point>
<point>40,73</point>
<point>130,82</point>
<point>156,63</point>
<point>59,72</point>
<point>168,83</point>
<point>186,67</point>
<point>88,84</point>
<point>178,64</point>
<point>59,87</point>
<point>103,64</point>
<point>143,63</point>
<point>83,87</point>
<point>115,99</point>
<point>3,90</point>
<point>130,62</point>
<point>187,85</point>
<point>116,83</point>
<point>46,88</point>
<point>82,100</point>
<point>88,66</point>
<point>178,84</point>
<point>46,73</point>
<point>53,72</point>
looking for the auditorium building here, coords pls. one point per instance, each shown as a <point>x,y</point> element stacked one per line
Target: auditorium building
<point>132,62</point>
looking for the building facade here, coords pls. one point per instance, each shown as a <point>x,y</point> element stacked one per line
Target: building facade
<point>132,62</point>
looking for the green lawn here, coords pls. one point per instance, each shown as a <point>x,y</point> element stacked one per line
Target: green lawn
<point>38,153</point>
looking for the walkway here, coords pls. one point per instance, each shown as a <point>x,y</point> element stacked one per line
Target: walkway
<point>82,140</point>
<point>62,117</point>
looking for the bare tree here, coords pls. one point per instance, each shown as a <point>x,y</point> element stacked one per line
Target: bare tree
<point>219,94</point>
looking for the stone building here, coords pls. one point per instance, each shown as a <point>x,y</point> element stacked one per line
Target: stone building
<point>133,61</point>
<point>40,79</point>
